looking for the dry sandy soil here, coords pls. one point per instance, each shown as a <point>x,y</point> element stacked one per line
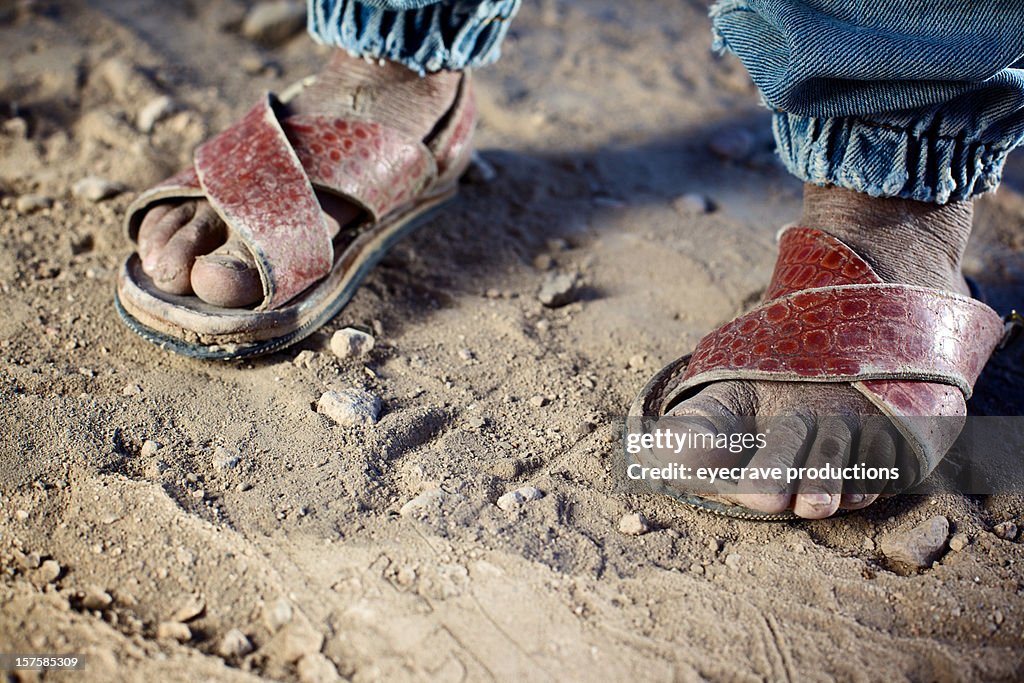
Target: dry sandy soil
<point>596,121</point>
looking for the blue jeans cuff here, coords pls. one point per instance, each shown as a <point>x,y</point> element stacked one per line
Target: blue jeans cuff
<point>884,161</point>
<point>445,36</point>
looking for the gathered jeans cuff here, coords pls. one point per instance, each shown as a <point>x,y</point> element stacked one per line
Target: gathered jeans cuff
<point>448,36</point>
<point>886,161</point>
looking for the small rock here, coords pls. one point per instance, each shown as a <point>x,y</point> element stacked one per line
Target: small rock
<point>584,429</point>
<point>538,401</point>
<point>173,630</point>
<point>96,189</point>
<point>958,542</point>
<point>272,23</point>
<point>997,617</point>
<point>1005,530</point>
<point>190,610</point>
<point>305,359</point>
<point>732,144</point>
<point>149,448</point>
<point>543,262</point>
<point>153,112</point>
<point>294,641</point>
<point>31,561</point>
<point>30,203</point>
<point>277,615</point>
<point>466,354</point>
<point>558,289</point>
<point>97,599</point>
<point>21,515</point>
<point>428,499</point>
<point>317,668</point>
<point>634,524</point>
<point>506,468</point>
<point>637,361</point>
<point>350,407</point>
<point>49,571</point>
<point>225,459</point>
<point>256,65</point>
<point>131,390</point>
<point>514,499</point>
<point>918,546</point>
<point>351,343</point>
<point>691,204</point>
<point>234,644</point>
<point>733,561</point>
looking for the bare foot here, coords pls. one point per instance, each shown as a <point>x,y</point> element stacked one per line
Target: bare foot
<point>905,242</point>
<point>185,246</point>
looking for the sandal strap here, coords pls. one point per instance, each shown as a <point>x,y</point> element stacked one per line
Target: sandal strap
<point>253,179</point>
<point>367,163</point>
<point>852,333</point>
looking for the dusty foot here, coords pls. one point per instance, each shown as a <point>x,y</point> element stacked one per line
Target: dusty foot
<point>906,242</point>
<point>184,245</point>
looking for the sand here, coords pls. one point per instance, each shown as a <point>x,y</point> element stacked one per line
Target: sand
<point>179,520</point>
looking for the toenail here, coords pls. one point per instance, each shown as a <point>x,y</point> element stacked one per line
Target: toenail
<point>855,498</point>
<point>818,500</point>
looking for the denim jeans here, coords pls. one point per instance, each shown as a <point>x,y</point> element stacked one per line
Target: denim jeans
<point>918,99</point>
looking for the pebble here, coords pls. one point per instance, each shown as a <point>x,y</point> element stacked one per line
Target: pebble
<point>351,343</point>
<point>558,289</point>
<point>466,354</point>
<point>637,361</point>
<point>173,630</point>
<point>428,499</point>
<point>350,407</point>
<point>96,189</point>
<point>96,599</point>
<point>272,23</point>
<point>190,610</point>
<point>958,542</point>
<point>691,204</point>
<point>277,615</point>
<point>225,459</point>
<point>317,668</point>
<point>514,499</point>
<point>49,571</point>
<point>131,390</point>
<point>1005,530</point>
<point>21,515</point>
<point>733,561</point>
<point>30,203</point>
<point>538,401</point>
<point>543,262</point>
<point>293,642</point>
<point>584,429</point>
<point>256,65</point>
<point>998,617</point>
<point>732,144</point>
<point>634,524</point>
<point>153,112</point>
<point>917,546</point>
<point>149,448</point>
<point>234,644</point>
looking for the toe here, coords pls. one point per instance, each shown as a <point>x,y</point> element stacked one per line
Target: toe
<point>172,264</point>
<point>158,226</point>
<point>227,277</point>
<point>786,443</point>
<point>876,450</point>
<point>819,496</point>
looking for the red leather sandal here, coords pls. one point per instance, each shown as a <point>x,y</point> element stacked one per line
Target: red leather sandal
<point>260,175</point>
<point>828,317</point>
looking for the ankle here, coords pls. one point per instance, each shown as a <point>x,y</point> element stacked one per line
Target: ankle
<point>387,92</point>
<point>904,241</point>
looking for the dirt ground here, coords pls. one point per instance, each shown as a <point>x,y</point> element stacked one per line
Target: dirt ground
<point>259,515</point>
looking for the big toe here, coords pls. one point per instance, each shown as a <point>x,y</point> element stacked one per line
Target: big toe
<point>227,277</point>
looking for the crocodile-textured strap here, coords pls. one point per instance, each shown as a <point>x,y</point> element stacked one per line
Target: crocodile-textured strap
<point>253,179</point>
